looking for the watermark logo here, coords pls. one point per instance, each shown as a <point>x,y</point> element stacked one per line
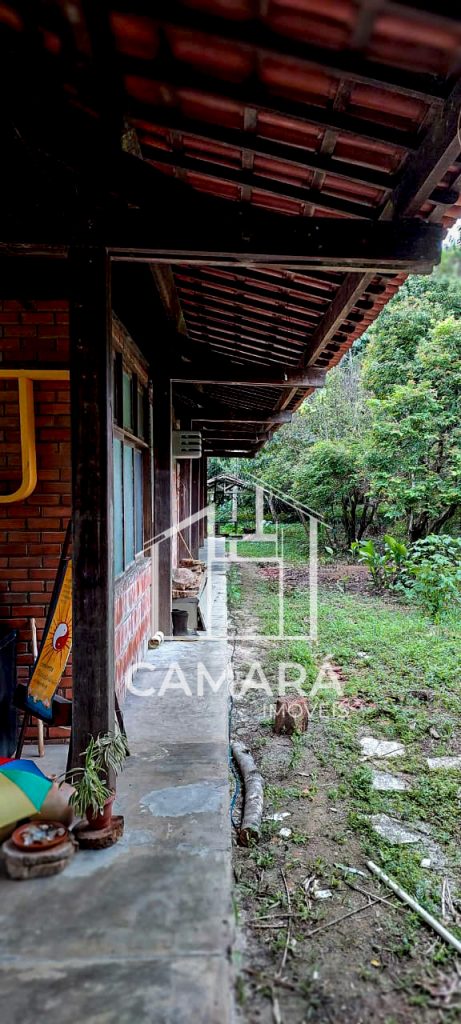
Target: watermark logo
<point>149,679</point>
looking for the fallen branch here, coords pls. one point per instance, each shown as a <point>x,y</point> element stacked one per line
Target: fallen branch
<point>253,801</point>
<point>406,898</point>
<point>337,920</point>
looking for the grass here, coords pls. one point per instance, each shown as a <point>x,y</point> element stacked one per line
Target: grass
<point>295,545</point>
<point>407,673</point>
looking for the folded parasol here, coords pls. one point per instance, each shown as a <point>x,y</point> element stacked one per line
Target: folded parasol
<point>23,788</point>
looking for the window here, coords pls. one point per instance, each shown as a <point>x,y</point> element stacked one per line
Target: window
<point>129,456</point>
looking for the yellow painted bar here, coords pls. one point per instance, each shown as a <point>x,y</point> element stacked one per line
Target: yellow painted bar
<point>34,374</point>
<point>25,380</point>
<point>28,452</point>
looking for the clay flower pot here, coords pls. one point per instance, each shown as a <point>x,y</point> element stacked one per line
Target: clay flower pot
<point>103,818</point>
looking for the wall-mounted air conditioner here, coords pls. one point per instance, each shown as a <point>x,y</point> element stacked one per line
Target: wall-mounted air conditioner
<point>187,444</point>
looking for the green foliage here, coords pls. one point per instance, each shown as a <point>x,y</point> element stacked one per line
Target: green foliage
<point>380,445</point>
<point>103,754</point>
<point>384,567</point>
<point>412,368</point>
<point>432,574</point>
<point>332,479</point>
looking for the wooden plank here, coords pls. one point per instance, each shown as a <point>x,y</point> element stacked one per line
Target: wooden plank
<point>440,147</point>
<point>250,143</point>
<point>234,417</point>
<point>216,170</point>
<point>203,498</point>
<point>92,497</point>
<point>207,230</point>
<point>252,94</point>
<point>229,373</point>
<point>163,505</point>
<point>184,538</point>
<point>195,505</point>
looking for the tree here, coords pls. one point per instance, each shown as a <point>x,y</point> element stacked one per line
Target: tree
<point>414,444</point>
<point>332,479</point>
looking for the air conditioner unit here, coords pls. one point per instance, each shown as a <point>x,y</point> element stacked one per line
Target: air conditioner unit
<point>187,444</point>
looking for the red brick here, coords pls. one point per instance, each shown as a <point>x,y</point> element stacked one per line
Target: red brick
<point>44,549</point>
<point>29,586</point>
<point>41,524</point>
<point>27,610</point>
<point>52,304</point>
<point>37,318</point>
<point>22,535</point>
<point>20,331</point>
<point>8,318</point>
<point>32,563</point>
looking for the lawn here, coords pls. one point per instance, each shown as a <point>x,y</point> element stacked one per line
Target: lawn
<point>401,677</point>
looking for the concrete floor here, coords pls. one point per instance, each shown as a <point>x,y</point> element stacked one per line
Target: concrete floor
<point>141,932</point>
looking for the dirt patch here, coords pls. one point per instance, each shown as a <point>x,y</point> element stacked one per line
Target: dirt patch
<point>343,575</point>
<point>349,957</point>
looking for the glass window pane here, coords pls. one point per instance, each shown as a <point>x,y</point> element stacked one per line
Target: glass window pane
<point>138,500</point>
<point>127,402</point>
<point>141,427</point>
<point>118,508</point>
<point>128,503</point>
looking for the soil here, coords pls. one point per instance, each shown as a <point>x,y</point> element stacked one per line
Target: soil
<point>348,578</point>
<point>328,968</point>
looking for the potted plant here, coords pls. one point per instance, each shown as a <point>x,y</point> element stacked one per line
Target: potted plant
<point>92,797</point>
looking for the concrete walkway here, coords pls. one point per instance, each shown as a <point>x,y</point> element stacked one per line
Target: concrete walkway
<point>141,932</point>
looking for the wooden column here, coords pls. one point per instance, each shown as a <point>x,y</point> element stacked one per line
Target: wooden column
<point>203,494</point>
<point>195,505</point>
<point>163,504</point>
<point>91,379</point>
<point>184,545</point>
<point>184,541</point>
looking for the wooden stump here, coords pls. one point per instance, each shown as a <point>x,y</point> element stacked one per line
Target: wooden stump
<point>23,864</point>
<point>291,715</point>
<point>99,839</point>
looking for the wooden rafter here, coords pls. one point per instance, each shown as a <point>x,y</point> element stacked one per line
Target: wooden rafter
<point>439,149</point>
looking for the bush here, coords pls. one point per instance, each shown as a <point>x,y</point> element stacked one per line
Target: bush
<point>432,573</point>
<point>384,568</point>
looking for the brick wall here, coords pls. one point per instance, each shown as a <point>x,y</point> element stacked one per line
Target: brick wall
<point>32,530</point>
<point>132,617</point>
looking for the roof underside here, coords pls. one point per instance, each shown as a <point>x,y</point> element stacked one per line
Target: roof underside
<point>305,108</point>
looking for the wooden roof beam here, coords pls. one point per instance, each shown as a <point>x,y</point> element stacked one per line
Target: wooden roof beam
<point>225,372</point>
<point>234,416</point>
<point>191,227</point>
<point>439,149</point>
<point>256,97</point>
<point>297,156</point>
<point>213,169</point>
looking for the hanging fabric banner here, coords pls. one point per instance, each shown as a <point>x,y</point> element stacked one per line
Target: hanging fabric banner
<point>54,652</point>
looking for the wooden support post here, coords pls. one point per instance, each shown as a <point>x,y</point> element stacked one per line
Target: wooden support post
<point>163,505</point>
<point>195,505</point>
<point>91,376</point>
<point>203,496</point>
<point>184,545</point>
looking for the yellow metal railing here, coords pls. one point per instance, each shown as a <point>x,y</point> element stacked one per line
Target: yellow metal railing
<point>25,379</point>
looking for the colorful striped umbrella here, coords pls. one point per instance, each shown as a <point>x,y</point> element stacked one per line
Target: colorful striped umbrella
<point>23,788</point>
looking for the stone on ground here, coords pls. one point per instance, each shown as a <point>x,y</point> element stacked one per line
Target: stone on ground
<point>399,834</point>
<point>444,762</point>
<point>384,782</point>
<point>372,747</point>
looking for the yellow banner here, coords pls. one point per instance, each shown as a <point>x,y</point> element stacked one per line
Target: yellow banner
<point>55,652</point>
